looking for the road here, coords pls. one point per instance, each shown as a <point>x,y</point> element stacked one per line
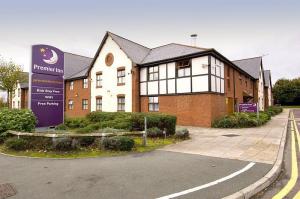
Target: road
<point>212,165</point>
<point>149,175</point>
<point>287,185</point>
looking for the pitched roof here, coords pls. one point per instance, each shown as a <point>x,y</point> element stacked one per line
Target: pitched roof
<point>134,51</point>
<point>76,66</point>
<point>140,54</point>
<point>250,65</point>
<point>267,76</point>
<point>170,51</point>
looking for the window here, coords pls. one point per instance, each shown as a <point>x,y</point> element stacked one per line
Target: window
<point>71,85</point>
<point>121,76</point>
<point>183,68</point>
<point>19,105</point>
<point>153,73</point>
<point>246,83</point>
<point>121,103</point>
<point>14,106</point>
<point>98,103</point>
<point>85,104</point>
<point>19,92</point>
<point>99,80</point>
<point>71,105</point>
<point>85,83</point>
<point>153,104</point>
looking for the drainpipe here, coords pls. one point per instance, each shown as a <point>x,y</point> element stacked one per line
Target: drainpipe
<point>234,90</point>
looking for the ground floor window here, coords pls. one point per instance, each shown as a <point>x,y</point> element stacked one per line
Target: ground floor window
<point>85,104</point>
<point>71,105</point>
<point>153,104</point>
<point>98,104</point>
<point>121,103</point>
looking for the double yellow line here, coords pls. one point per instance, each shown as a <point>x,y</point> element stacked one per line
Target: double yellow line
<point>294,171</point>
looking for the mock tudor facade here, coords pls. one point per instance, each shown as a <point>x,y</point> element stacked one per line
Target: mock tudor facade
<point>198,85</point>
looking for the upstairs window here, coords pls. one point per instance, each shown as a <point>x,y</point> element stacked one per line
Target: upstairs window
<point>121,76</point>
<point>121,103</point>
<point>153,73</point>
<point>71,105</point>
<point>99,79</point>
<point>85,83</point>
<point>71,85</point>
<point>85,104</point>
<point>98,103</point>
<point>183,68</point>
<point>153,104</point>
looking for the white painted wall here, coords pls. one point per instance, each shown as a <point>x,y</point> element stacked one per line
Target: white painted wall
<point>16,97</point>
<point>110,90</point>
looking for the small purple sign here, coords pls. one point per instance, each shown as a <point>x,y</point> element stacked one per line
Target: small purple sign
<point>47,85</point>
<point>248,107</point>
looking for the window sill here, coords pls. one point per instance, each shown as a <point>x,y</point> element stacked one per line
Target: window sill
<point>98,86</point>
<point>121,84</point>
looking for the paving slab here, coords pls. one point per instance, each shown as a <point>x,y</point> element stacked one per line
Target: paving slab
<point>259,144</point>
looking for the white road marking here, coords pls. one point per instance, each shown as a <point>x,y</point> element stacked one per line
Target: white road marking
<point>247,167</point>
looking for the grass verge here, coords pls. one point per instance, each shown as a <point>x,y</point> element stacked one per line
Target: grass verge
<point>152,144</point>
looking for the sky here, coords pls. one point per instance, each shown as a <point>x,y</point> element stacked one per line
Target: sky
<point>236,28</point>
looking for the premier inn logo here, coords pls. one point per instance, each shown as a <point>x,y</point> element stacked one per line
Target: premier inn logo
<point>49,56</point>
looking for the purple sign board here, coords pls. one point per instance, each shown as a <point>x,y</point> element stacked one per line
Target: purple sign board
<point>248,107</point>
<point>47,85</point>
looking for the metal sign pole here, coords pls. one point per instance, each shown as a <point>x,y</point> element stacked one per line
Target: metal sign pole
<point>145,133</point>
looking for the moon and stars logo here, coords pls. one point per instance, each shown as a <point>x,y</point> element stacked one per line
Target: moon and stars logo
<point>49,56</point>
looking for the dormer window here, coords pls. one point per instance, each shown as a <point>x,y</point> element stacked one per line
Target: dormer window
<point>183,68</point>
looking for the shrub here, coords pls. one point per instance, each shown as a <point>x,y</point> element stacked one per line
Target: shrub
<point>242,120</point>
<point>3,136</point>
<point>74,123</point>
<point>274,110</point>
<point>65,144</point>
<point>161,121</point>
<point>17,119</point>
<point>40,143</point>
<point>182,134</point>
<point>133,121</point>
<point>61,127</point>
<point>118,143</point>
<point>86,141</point>
<point>17,144</point>
<point>89,128</point>
<point>154,132</point>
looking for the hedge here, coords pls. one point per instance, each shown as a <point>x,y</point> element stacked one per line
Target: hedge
<point>17,119</point>
<point>118,143</point>
<point>130,121</point>
<point>242,120</point>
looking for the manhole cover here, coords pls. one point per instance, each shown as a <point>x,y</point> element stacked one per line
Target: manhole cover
<point>231,135</point>
<point>7,190</point>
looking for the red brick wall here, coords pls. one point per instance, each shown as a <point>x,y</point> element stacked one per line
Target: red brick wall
<point>77,95</point>
<point>135,89</point>
<point>237,87</point>
<point>191,110</point>
<point>24,98</point>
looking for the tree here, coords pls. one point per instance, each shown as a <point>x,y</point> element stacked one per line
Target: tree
<point>287,92</point>
<point>10,74</point>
